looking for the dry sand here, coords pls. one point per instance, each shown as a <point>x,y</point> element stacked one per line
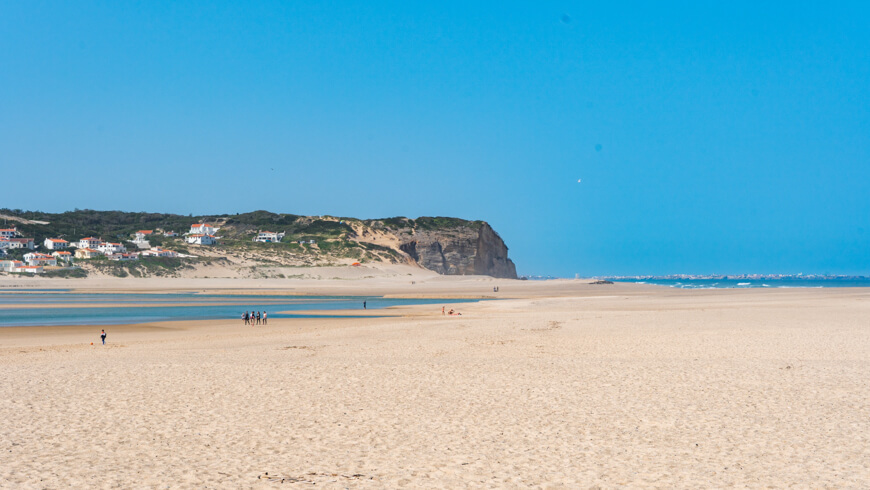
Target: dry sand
<point>565,385</point>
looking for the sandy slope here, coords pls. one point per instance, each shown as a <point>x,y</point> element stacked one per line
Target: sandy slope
<point>566,386</point>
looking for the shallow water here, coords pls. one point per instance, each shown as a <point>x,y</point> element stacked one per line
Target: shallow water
<point>190,307</point>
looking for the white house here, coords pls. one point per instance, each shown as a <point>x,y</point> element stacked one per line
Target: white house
<point>9,265</point>
<point>65,256</point>
<point>9,232</point>
<point>18,266</point>
<point>123,256</point>
<point>111,248</point>
<point>202,229</point>
<point>55,244</point>
<point>142,235</point>
<point>170,233</point>
<point>39,259</point>
<point>159,252</point>
<point>269,237</point>
<point>31,269</point>
<point>200,239</point>
<point>90,242</point>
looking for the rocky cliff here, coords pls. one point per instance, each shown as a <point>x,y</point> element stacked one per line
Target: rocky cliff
<point>461,249</point>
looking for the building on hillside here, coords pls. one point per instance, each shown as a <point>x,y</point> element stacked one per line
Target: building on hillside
<point>87,253</point>
<point>142,235</point>
<point>111,248</point>
<point>123,256</point>
<point>202,229</point>
<point>90,242</point>
<point>159,252</point>
<point>18,266</point>
<point>19,243</point>
<point>269,237</point>
<point>9,265</point>
<point>9,233</point>
<point>170,234</point>
<point>30,269</point>
<point>200,239</point>
<point>64,256</point>
<point>55,244</point>
<point>5,243</point>
<point>39,259</point>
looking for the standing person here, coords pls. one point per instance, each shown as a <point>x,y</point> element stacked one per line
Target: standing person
<point>103,337</point>
<point>264,318</point>
<point>364,305</point>
<point>442,311</point>
<point>247,318</point>
<point>258,318</point>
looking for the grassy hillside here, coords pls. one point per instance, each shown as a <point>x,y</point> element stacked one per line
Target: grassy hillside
<point>335,238</point>
<point>119,225</point>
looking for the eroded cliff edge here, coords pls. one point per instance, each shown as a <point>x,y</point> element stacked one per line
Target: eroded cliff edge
<point>469,248</point>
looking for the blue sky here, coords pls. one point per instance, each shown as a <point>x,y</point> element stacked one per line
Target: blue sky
<point>727,137</point>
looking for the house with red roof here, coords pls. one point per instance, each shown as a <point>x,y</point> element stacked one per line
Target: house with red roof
<point>17,243</point>
<point>55,244</point>
<point>159,252</point>
<point>64,256</point>
<point>202,229</point>
<point>39,259</point>
<point>9,232</point>
<point>200,239</point>
<point>111,248</point>
<point>90,242</point>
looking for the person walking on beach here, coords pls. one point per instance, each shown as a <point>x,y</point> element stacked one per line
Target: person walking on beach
<point>442,311</point>
<point>264,318</point>
<point>364,305</point>
<point>103,337</point>
<point>246,317</point>
<point>258,318</point>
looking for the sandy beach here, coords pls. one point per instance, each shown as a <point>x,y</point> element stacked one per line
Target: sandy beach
<point>559,384</point>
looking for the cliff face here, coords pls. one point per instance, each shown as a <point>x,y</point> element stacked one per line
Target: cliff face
<point>459,250</point>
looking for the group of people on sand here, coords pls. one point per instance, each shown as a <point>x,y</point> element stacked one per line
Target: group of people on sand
<point>254,318</point>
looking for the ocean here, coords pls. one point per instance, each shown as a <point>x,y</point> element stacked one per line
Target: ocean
<point>785,282</point>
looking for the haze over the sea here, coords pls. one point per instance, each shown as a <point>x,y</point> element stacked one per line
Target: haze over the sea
<point>731,138</point>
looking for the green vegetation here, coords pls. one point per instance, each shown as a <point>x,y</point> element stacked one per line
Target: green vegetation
<point>441,222</point>
<point>110,225</point>
<point>66,273</point>
<point>154,266</point>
